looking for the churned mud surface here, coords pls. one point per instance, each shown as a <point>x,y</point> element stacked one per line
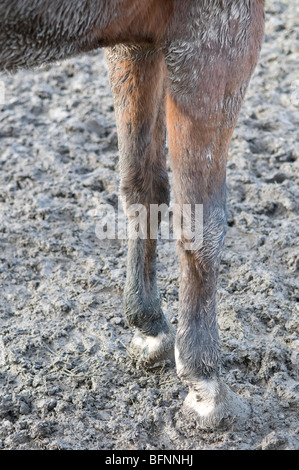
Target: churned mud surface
<point>67,380</point>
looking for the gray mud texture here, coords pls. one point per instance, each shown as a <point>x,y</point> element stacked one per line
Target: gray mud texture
<point>67,380</point>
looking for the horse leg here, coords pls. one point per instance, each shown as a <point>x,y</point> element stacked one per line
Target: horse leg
<point>206,87</point>
<point>137,76</point>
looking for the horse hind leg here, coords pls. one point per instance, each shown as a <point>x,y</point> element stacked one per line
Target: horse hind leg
<point>137,77</point>
<point>203,103</point>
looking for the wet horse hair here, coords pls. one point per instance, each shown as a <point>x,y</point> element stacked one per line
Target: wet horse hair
<point>176,65</point>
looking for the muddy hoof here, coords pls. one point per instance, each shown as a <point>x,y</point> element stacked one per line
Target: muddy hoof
<point>213,405</point>
<point>153,349</point>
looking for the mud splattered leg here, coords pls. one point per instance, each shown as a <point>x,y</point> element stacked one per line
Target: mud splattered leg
<point>206,88</point>
<point>137,77</point>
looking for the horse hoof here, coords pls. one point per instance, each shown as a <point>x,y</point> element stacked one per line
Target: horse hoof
<point>213,405</point>
<point>153,349</point>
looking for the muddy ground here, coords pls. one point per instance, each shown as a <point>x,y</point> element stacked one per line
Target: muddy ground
<point>66,378</point>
